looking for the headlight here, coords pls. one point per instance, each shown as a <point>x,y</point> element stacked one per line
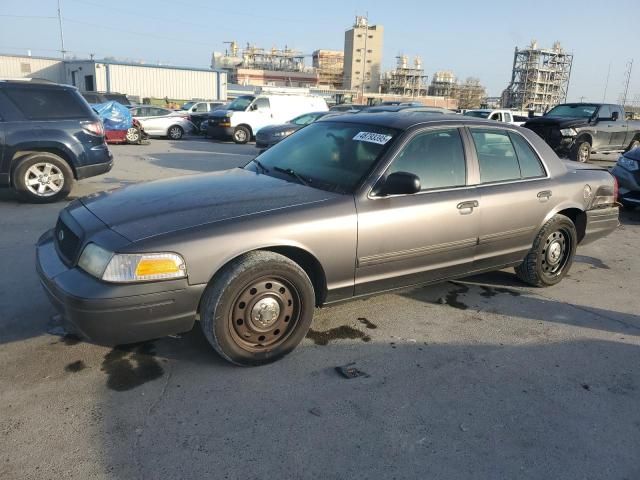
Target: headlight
<point>627,163</point>
<point>568,132</point>
<point>131,267</point>
<point>285,133</point>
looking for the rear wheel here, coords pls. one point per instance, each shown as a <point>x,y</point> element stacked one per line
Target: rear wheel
<point>551,255</point>
<point>241,135</point>
<point>258,308</point>
<point>175,132</point>
<point>133,135</point>
<point>42,177</point>
<point>581,152</point>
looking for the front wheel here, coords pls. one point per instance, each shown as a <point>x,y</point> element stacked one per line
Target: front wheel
<point>175,132</point>
<point>551,255</point>
<point>581,152</point>
<point>241,135</point>
<point>133,135</point>
<point>258,308</point>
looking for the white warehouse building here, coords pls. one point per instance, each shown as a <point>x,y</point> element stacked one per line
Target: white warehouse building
<point>140,80</point>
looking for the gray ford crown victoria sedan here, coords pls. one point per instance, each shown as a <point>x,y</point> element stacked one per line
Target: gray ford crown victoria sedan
<point>345,207</point>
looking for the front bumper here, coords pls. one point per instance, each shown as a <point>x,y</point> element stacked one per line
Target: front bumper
<point>600,223</point>
<point>215,131</point>
<point>114,314</point>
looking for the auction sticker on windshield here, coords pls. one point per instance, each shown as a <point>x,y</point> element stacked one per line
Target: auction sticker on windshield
<point>371,137</point>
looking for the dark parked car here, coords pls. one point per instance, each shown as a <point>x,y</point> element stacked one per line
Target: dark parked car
<point>347,107</point>
<point>103,97</point>
<point>409,108</point>
<point>627,172</point>
<point>49,137</point>
<point>577,130</point>
<point>348,206</point>
<point>270,135</point>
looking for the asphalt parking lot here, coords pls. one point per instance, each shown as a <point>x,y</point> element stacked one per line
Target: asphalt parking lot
<point>479,378</point>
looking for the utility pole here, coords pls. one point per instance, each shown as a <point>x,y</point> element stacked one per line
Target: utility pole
<point>364,60</point>
<point>626,83</point>
<point>62,50</point>
<point>606,84</point>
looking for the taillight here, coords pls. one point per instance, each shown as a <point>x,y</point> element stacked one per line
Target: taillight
<point>93,128</point>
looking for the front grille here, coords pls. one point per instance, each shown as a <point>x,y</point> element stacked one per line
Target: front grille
<point>551,135</point>
<point>67,242</point>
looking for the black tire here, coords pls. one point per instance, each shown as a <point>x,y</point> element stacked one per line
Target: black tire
<point>581,152</point>
<point>230,302</point>
<point>540,267</point>
<point>241,135</point>
<point>53,190</point>
<point>134,136</point>
<point>634,144</point>
<point>175,132</point>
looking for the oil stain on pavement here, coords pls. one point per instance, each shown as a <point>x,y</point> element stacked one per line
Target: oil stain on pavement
<point>367,323</point>
<point>338,333</point>
<point>129,366</point>
<point>76,366</point>
<point>452,296</point>
<point>489,292</point>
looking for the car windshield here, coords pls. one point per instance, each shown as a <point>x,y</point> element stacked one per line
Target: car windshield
<point>477,114</point>
<point>187,105</point>
<point>331,156</point>
<point>306,119</point>
<point>240,104</point>
<point>578,110</point>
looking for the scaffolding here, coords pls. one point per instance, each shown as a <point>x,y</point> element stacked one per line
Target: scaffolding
<point>442,84</point>
<point>406,81</point>
<point>329,65</point>
<point>252,57</point>
<point>540,78</point>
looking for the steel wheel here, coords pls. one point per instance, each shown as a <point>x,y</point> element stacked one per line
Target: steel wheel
<point>44,179</point>
<point>556,253</point>
<point>240,135</point>
<point>175,132</point>
<point>264,314</point>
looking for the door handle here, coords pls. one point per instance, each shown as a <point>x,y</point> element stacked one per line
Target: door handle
<point>544,195</point>
<point>469,204</point>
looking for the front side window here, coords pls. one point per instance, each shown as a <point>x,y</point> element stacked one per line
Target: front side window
<point>201,108</point>
<point>262,104</point>
<point>240,104</point>
<point>436,157</point>
<point>332,156</point>
<point>496,116</point>
<point>505,156</point>
<point>604,113</point>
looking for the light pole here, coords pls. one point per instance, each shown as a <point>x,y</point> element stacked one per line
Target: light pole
<point>62,50</point>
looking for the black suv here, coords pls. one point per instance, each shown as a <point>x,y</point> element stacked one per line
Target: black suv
<point>49,137</point>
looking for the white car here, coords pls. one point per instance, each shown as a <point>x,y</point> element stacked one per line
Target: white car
<point>162,122</point>
<point>505,116</point>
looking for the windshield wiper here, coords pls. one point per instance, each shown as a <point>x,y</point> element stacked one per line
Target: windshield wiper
<point>260,165</point>
<point>294,174</point>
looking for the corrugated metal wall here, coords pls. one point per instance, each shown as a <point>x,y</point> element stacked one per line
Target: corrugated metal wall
<point>29,67</point>
<point>164,82</point>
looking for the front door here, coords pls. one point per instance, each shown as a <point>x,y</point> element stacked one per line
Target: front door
<point>603,130</point>
<point>619,129</point>
<point>515,196</point>
<point>422,237</point>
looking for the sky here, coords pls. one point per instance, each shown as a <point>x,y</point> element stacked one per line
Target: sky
<point>470,38</point>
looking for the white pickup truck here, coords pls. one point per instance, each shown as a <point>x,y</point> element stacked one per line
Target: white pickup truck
<point>505,116</point>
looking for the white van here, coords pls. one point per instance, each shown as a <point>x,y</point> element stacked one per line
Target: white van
<point>247,114</point>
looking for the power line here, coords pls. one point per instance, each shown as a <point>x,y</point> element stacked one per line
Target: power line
<point>27,16</point>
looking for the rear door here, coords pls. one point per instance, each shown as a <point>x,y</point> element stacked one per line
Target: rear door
<point>515,195</point>
<point>426,236</point>
<point>619,129</point>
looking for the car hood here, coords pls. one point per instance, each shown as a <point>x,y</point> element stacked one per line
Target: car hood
<point>271,129</point>
<point>149,209</point>
<point>560,122</point>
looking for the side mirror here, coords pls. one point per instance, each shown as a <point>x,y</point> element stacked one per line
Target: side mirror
<point>399,183</point>
<point>253,107</point>
<point>614,116</point>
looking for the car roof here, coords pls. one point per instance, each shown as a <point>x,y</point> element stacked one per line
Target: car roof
<point>33,82</point>
<point>405,120</point>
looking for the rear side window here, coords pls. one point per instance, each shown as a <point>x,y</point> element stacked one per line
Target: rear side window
<point>496,156</point>
<point>436,157</point>
<point>47,103</point>
<point>505,156</point>
<point>530,166</point>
